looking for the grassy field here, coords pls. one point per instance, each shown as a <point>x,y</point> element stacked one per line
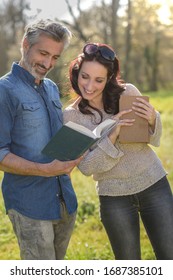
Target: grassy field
<point>89,240</point>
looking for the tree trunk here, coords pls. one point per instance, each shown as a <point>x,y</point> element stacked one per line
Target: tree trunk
<point>128,41</point>
<point>115,7</point>
<point>154,77</point>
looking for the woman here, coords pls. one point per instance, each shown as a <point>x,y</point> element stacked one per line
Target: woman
<point>131,181</point>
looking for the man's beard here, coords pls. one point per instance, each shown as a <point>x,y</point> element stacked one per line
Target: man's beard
<point>31,69</point>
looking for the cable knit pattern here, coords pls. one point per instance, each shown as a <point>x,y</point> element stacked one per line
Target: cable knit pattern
<point>120,169</point>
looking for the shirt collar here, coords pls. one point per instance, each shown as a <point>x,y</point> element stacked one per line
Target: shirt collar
<point>23,73</point>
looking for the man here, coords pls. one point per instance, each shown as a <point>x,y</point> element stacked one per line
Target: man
<point>39,197</point>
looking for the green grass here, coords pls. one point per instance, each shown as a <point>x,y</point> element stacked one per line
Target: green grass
<point>8,245</point>
<point>89,240</point>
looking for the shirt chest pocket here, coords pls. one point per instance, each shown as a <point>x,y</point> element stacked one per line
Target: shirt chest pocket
<point>32,114</point>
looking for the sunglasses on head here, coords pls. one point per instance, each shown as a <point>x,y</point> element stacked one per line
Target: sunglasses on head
<point>106,53</point>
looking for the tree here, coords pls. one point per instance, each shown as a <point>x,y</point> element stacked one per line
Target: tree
<point>76,24</point>
<point>128,40</point>
<point>12,20</point>
<point>114,22</point>
<point>143,43</point>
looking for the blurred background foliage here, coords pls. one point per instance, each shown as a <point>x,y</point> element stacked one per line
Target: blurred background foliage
<point>141,37</point>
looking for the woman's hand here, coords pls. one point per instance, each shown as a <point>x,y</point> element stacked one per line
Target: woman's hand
<point>145,110</point>
<point>125,122</point>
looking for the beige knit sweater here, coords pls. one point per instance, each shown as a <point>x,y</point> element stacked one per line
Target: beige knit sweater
<point>120,169</point>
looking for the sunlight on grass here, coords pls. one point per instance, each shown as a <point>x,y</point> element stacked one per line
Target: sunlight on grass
<point>89,240</point>
<point>163,101</point>
<point>8,244</point>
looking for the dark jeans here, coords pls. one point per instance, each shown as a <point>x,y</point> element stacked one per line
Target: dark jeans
<point>120,217</point>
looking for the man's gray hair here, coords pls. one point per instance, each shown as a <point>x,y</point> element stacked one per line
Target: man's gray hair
<point>50,28</point>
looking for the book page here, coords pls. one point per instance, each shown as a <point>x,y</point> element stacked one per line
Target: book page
<point>82,129</point>
<point>104,127</point>
<point>97,132</point>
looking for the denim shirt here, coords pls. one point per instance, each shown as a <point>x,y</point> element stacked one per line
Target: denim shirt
<point>30,115</point>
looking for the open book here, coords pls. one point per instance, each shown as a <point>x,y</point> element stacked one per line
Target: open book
<point>73,140</point>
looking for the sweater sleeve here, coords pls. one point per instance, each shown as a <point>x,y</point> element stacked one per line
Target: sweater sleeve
<point>101,159</point>
<point>104,155</point>
<point>156,135</point>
